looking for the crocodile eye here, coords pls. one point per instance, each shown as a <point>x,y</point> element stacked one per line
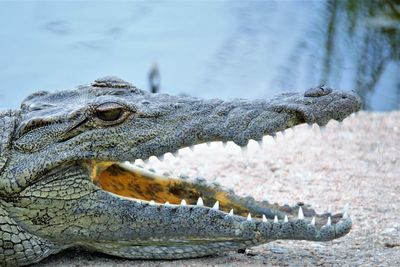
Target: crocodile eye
<point>109,115</point>
<point>110,112</point>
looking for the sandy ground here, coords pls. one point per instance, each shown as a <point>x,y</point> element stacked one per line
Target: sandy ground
<point>357,162</point>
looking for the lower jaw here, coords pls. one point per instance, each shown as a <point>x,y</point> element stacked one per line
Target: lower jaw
<point>138,184</point>
<point>149,189</point>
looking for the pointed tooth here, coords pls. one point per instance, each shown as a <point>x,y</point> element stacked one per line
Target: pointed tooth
<point>285,219</point>
<point>216,206</point>
<point>346,208</point>
<point>345,215</point>
<point>183,202</point>
<point>301,214</point>
<point>276,219</point>
<point>231,212</point>
<point>313,221</point>
<point>152,202</point>
<point>200,202</point>
<point>264,219</point>
<point>166,203</point>
<point>346,211</point>
<point>249,217</point>
<point>329,222</point>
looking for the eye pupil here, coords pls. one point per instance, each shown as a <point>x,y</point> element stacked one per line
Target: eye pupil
<point>109,115</point>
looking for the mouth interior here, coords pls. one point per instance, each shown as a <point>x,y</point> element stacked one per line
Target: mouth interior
<point>139,184</point>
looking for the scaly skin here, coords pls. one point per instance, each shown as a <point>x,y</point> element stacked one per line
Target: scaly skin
<point>62,183</point>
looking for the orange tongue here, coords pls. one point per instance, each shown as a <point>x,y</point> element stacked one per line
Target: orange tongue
<point>140,185</point>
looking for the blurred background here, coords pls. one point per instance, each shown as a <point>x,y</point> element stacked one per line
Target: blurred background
<point>225,49</point>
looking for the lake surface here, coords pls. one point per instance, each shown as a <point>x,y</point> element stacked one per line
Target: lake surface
<point>225,49</point>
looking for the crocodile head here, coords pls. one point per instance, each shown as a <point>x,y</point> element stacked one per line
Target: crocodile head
<point>68,181</point>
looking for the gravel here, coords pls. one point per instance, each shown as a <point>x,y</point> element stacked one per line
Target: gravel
<point>357,162</point>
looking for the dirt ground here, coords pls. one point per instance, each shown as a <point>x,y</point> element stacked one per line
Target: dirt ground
<point>357,162</point>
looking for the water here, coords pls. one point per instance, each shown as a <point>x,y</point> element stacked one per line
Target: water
<point>225,49</point>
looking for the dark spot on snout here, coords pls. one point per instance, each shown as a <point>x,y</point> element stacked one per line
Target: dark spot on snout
<point>318,91</point>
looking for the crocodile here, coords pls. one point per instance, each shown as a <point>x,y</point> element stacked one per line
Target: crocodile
<point>66,177</point>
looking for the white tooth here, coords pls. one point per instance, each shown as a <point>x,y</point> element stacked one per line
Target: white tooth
<point>276,219</point>
<point>183,202</point>
<point>249,217</point>
<point>138,162</point>
<point>166,203</point>
<point>216,206</point>
<point>313,221</point>
<point>200,202</point>
<point>301,215</point>
<point>285,219</point>
<point>161,158</point>
<point>345,215</point>
<point>264,219</point>
<point>152,202</point>
<point>346,208</point>
<point>329,222</point>
<point>231,212</point>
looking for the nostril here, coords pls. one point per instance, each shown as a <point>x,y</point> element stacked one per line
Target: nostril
<point>344,97</point>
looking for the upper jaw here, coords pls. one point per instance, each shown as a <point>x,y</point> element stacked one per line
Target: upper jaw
<point>193,121</point>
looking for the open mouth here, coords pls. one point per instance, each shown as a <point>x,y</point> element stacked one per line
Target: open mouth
<point>136,183</point>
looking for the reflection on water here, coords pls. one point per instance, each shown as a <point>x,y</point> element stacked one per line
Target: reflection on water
<point>373,28</point>
<point>224,49</point>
